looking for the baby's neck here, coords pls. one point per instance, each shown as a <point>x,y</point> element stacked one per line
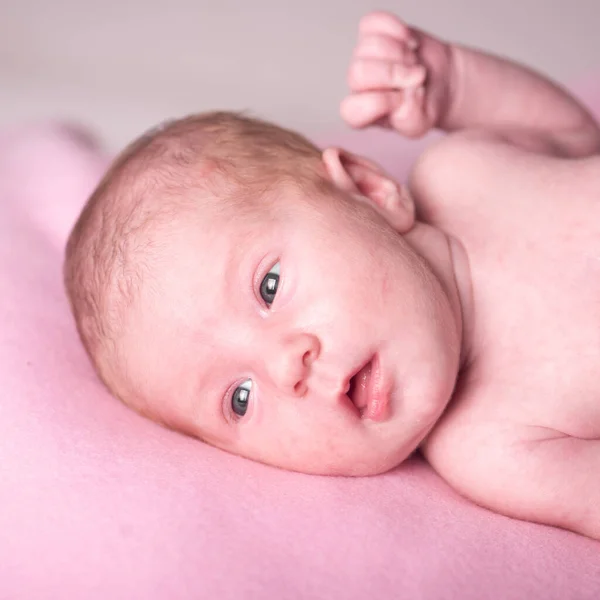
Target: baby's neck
<point>449,261</point>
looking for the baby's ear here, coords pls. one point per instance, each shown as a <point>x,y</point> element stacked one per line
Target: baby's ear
<point>358,175</point>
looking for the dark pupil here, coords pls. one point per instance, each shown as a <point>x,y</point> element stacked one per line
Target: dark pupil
<point>268,287</point>
<point>239,402</point>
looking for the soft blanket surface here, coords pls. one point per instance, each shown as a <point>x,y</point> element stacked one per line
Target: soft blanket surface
<point>96,502</point>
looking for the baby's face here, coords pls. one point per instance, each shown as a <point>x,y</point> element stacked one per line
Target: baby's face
<point>308,336</point>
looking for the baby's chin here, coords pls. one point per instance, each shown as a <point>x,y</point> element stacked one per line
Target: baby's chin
<point>354,469</point>
<point>348,466</point>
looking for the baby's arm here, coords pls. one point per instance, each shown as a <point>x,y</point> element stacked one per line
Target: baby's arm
<point>546,477</point>
<point>412,82</point>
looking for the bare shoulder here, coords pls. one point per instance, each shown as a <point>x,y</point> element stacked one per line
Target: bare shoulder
<point>526,472</point>
<point>479,170</point>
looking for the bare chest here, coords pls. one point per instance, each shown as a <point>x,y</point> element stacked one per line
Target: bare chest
<point>531,229</point>
<point>537,298</point>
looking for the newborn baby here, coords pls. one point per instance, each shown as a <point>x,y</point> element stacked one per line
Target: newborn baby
<point>302,309</point>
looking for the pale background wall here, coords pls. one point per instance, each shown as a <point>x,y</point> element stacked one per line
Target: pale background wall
<point>124,65</point>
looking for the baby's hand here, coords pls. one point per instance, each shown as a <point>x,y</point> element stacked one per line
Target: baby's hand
<point>391,81</point>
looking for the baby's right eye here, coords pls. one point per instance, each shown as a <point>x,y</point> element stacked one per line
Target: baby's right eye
<point>240,397</point>
<point>269,284</point>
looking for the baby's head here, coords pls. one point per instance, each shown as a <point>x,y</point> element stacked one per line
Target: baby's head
<point>233,282</point>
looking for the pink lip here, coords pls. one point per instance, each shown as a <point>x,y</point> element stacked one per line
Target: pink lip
<point>372,399</point>
<point>378,393</point>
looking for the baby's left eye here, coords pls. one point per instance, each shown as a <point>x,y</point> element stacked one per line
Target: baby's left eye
<point>268,286</point>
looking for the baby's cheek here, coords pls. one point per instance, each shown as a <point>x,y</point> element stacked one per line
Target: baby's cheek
<point>288,439</point>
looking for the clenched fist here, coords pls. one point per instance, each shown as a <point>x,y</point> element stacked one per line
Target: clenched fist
<point>398,77</point>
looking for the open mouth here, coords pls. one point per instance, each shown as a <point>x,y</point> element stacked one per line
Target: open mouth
<point>358,391</point>
<point>367,392</point>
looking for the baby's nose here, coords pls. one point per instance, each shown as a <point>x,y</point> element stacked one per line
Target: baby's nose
<point>291,361</point>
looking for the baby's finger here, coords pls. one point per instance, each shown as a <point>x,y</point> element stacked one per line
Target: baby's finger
<point>367,74</point>
<point>383,47</point>
<point>387,24</point>
<point>360,110</point>
<point>408,117</point>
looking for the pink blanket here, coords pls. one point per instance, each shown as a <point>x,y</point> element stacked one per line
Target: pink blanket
<point>98,503</point>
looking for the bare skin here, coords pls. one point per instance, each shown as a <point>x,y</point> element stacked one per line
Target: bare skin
<point>337,332</point>
<point>518,183</point>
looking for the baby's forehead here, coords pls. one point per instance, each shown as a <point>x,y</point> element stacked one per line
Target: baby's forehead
<point>241,206</point>
<point>207,220</point>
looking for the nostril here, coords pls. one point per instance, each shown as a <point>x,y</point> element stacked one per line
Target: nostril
<point>308,358</point>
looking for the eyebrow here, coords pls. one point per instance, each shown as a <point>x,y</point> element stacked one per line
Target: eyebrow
<point>233,278</point>
<point>236,265</point>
